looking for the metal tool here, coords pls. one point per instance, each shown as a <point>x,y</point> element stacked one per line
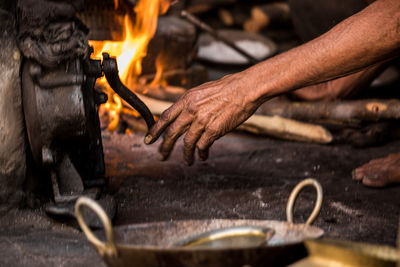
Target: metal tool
<point>61,115</point>
<point>165,243</point>
<point>212,32</point>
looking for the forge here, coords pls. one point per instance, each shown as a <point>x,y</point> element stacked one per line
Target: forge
<point>84,81</point>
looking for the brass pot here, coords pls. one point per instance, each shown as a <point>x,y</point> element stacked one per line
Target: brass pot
<point>339,253</point>
<point>168,243</point>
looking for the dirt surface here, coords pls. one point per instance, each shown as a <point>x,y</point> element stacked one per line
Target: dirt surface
<point>251,178</point>
<point>246,177</point>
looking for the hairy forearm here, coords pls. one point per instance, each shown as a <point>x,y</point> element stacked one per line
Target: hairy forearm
<point>364,39</point>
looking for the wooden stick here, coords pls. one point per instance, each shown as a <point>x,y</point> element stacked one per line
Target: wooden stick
<point>343,111</point>
<point>286,129</point>
<point>234,16</point>
<point>264,125</point>
<point>226,17</point>
<point>265,15</point>
<point>134,123</point>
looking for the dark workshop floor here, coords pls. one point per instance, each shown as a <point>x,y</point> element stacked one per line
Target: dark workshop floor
<point>244,178</point>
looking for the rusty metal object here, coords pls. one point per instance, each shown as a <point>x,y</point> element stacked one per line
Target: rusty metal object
<point>61,116</point>
<point>154,244</point>
<point>62,125</point>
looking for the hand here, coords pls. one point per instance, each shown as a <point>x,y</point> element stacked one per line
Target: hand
<point>206,113</point>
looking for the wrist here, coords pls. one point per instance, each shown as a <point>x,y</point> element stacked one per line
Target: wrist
<point>260,82</point>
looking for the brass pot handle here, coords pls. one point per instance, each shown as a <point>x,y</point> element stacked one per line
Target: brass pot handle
<point>295,193</point>
<point>107,248</point>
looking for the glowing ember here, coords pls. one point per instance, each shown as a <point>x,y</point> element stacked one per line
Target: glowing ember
<point>132,50</point>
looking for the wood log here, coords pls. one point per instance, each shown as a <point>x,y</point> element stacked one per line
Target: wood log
<point>234,16</point>
<point>286,129</point>
<point>226,17</point>
<point>156,107</point>
<point>275,126</point>
<point>134,123</point>
<point>373,134</point>
<point>265,15</point>
<point>342,111</point>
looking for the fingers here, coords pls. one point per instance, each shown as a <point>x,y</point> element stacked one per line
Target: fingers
<point>204,143</point>
<point>166,118</point>
<point>196,136</point>
<point>172,133</point>
<point>203,154</point>
<point>357,174</point>
<point>174,122</point>
<point>189,142</point>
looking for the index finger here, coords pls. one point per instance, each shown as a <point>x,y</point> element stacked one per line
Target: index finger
<point>166,118</point>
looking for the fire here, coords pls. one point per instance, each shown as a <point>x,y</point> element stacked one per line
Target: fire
<point>132,49</point>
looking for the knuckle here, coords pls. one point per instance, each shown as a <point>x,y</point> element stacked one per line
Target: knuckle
<point>163,149</point>
<point>166,147</point>
<point>212,132</point>
<point>201,146</point>
<point>186,98</point>
<point>188,143</point>
<point>190,94</point>
<point>166,115</point>
<point>170,133</point>
<point>165,143</point>
<point>202,119</point>
<point>188,146</point>
<point>187,139</point>
<point>192,109</point>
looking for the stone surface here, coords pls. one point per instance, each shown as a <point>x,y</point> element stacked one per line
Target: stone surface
<point>12,136</point>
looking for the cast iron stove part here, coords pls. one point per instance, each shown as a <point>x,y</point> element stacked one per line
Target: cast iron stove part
<point>63,128</point>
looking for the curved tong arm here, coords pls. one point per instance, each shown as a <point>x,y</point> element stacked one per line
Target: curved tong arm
<point>110,70</point>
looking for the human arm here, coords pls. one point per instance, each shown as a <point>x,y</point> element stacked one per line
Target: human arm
<point>342,87</point>
<point>213,109</point>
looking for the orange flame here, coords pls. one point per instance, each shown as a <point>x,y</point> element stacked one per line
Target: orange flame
<point>132,49</point>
